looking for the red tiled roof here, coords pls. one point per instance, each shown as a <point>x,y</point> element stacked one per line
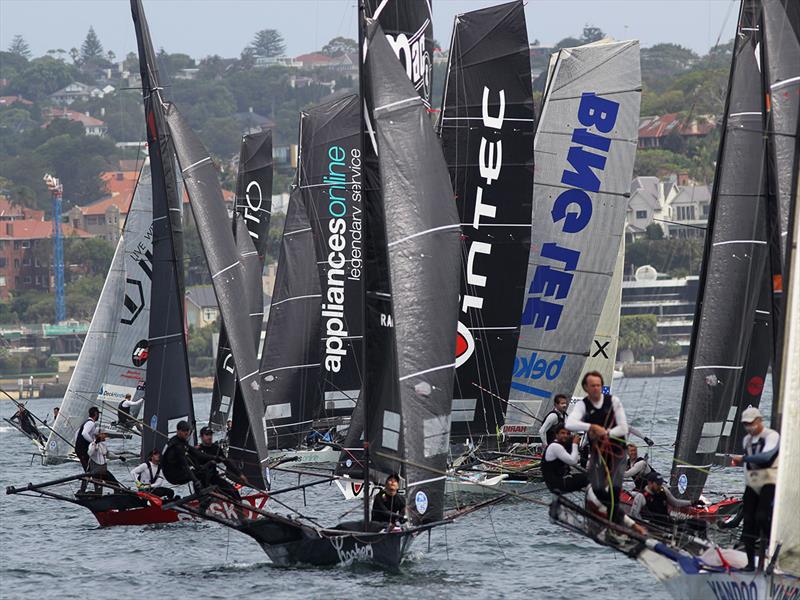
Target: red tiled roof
<point>656,127</point>
<point>72,115</point>
<point>9,100</point>
<point>7,209</point>
<point>314,58</point>
<point>29,229</point>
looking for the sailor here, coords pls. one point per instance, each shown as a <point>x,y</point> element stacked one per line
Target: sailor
<point>98,462</point>
<point>124,418</point>
<point>228,430</point>
<point>560,455</point>
<point>209,447</point>
<point>655,502</point>
<point>55,416</point>
<point>603,418</point>
<point>85,436</point>
<point>554,419</point>
<point>148,476</point>
<point>760,461</point>
<point>388,506</point>
<point>23,417</point>
<point>637,468</point>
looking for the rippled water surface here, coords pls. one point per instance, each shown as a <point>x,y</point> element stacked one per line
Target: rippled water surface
<point>50,549</point>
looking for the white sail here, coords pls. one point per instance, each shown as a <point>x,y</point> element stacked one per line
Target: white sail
<point>785,523</point>
<point>585,146</point>
<point>603,352</point>
<point>108,333</point>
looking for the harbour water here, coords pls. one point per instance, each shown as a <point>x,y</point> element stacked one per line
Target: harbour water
<point>51,549</point>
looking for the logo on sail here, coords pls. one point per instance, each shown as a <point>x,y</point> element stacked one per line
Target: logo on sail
<point>465,344</point>
<point>140,353</point>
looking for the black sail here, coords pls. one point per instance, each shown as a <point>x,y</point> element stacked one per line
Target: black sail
<point>408,27</point>
<point>735,257</point>
<point>254,205</point>
<point>330,179</point>
<point>168,396</point>
<point>408,430</point>
<point>487,127</point>
<point>781,76</point>
<point>290,358</point>
<point>227,272</point>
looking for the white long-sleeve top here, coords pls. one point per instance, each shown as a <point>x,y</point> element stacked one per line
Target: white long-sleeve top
<point>98,453</point>
<point>131,403</point>
<point>556,451</point>
<point>550,421</point>
<point>575,418</point>
<point>149,473</point>
<point>89,430</point>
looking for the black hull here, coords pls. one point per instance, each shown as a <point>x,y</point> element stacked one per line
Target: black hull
<point>289,543</point>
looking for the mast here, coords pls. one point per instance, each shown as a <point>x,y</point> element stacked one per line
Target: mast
<point>734,258</point>
<point>488,112</point>
<point>227,272</point>
<point>584,147</point>
<point>168,396</point>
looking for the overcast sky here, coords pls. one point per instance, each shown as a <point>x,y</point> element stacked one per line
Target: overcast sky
<point>204,27</point>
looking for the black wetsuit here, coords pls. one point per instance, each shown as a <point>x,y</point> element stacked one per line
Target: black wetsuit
<point>210,476</point>
<point>556,474</point>
<point>388,509</point>
<point>180,462</point>
<point>27,425</point>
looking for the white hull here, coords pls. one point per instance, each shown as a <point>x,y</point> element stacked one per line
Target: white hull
<point>326,455</point>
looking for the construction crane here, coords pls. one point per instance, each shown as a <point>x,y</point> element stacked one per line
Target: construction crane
<point>57,190</point>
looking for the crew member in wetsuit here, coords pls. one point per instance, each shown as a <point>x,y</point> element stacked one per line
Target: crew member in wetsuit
<point>388,506</point>
<point>655,501</point>
<point>212,449</point>
<point>83,438</point>
<point>760,462</point>
<point>554,419</point>
<point>560,455</point>
<point>602,416</point>
<point>98,462</point>
<point>148,476</point>
<point>124,418</point>
<point>23,417</point>
<point>637,468</point>
<point>55,416</point>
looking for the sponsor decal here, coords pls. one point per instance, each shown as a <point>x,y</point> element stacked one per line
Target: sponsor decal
<point>465,344</point>
<point>114,393</point>
<point>785,590</point>
<point>53,444</point>
<point>357,552</point>
<point>755,385</point>
<point>535,367</point>
<point>683,483</point>
<point>414,57</point>
<point>251,209</point>
<point>154,422</point>
<point>140,353</point>
<point>421,502</point>
<point>572,209</point>
<point>734,590</point>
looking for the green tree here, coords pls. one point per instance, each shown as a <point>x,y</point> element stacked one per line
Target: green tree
<point>91,48</point>
<point>11,64</point>
<point>93,254</point>
<point>221,135</point>
<point>654,232</point>
<point>638,333</point>
<point>340,45</point>
<point>20,47</point>
<point>15,120</point>
<point>592,34</point>
<point>40,77</point>
<point>267,43</point>
<point>660,162</point>
<point>663,62</point>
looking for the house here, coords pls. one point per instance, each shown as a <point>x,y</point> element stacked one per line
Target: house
<point>91,125</point>
<point>689,207</point>
<point>252,122</point>
<point>344,64</point>
<point>105,218</point>
<point>189,73</point>
<point>201,306</point>
<point>264,62</point>
<point>78,91</point>
<point>15,212</point>
<point>313,60</point>
<point>645,207</point>
<point>9,100</point>
<point>654,130</point>
<point>26,251</point>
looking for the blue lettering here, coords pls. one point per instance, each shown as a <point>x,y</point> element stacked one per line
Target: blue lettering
<point>583,162</point>
<point>584,137</point>
<point>541,313</point>
<point>574,222</point>
<point>565,255</point>
<point>598,112</point>
<point>550,282</point>
<point>536,367</point>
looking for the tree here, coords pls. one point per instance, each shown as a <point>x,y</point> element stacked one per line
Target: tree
<point>340,45</point>
<point>20,47</point>
<point>221,135</point>
<point>91,48</point>
<point>16,120</point>
<point>638,333</point>
<point>93,254</point>
<point>654,232</point>
<point>592,34</point>
<point>40,77</point>
<point>569,42</point>
<point>268,43</point>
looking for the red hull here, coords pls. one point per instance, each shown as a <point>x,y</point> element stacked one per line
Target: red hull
<point>724,509</point>
<point>153,514</point>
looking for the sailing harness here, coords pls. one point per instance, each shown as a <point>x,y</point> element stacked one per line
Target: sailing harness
<point>81,445</point>
<point>554,471</point>
<point>609,449</point>
<point>551,433</point>
<point>150,472</point>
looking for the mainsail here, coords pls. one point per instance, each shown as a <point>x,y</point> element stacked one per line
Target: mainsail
<point>168,395</point>
<point>113,357</point>
<point>290,359</point>
<point>330,178</point>
<point>585,145</point>
<point>409,388</point>
<point>487,126</point>
<point>735,257</point>
<point>227,272</point>
<point>253,205</point>
<point>408,27</point>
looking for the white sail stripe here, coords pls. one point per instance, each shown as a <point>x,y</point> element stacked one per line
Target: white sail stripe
<point>397,103</point>
<point>251,253</point>
<point>414,235</point>
<point>379,10</point>
<point>164,337</point>
<point>255,314</point>
<point>296,298</point>
<point>248,375</point>
<point>762,312</point>
<point>785,82</point>
<point>159,218</point>
<point>471,225</point>
<point>290,367</point>
<point>180,210</point>
<point>195,164</point>
<point>431,370</point>
<point>225,269</point>
<point>489,328</point>
<point>732,367</point>
<point>742,114</point>
<point>296,231</point>
<point>424,481</point>
<point>758,242</point>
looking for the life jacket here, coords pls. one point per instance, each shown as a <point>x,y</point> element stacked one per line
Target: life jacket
<point>640,480</point>
<point>123,413</point>
<point>656,506</point>
<point>175,463</point>
<point>603,416</point>
<point>757,476</point>
<point>551,433</point>
<point>554,471</point>
<point>81,445</point>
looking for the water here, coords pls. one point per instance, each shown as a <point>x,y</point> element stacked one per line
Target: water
<point>51,549</point>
